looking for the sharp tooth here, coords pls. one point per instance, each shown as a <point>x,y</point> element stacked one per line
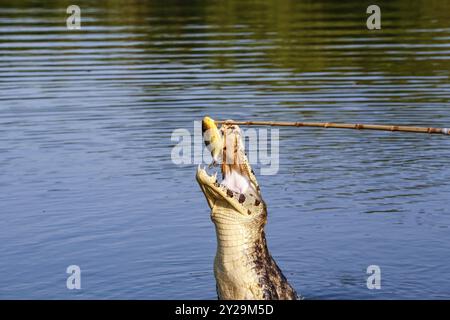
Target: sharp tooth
<point>215,175</point>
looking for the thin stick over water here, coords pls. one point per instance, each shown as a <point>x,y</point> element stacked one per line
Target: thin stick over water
<point>357,126</point>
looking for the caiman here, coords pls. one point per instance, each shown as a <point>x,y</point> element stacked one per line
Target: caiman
<point>243,266</point>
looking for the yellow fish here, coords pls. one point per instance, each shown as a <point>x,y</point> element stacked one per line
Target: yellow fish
<point>213,139</point>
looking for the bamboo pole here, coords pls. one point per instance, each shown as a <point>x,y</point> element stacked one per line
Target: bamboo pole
<point>357,126</point>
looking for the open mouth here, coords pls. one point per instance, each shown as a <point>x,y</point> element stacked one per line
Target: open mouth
<point>236,183</point>
<point>231,178</point>
<point>246,202</point>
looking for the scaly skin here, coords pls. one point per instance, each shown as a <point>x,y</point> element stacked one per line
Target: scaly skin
<point>243,266</point>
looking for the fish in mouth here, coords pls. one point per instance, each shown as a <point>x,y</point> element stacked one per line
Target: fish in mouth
<point>243,266</point>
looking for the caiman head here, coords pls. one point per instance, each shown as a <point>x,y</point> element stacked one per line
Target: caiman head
<point>238,188</point>
<point>243,266</point>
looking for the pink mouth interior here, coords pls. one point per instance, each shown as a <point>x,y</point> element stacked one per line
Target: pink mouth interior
<point>236,182</point>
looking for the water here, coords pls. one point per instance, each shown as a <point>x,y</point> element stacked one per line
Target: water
<point>86,118</point>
